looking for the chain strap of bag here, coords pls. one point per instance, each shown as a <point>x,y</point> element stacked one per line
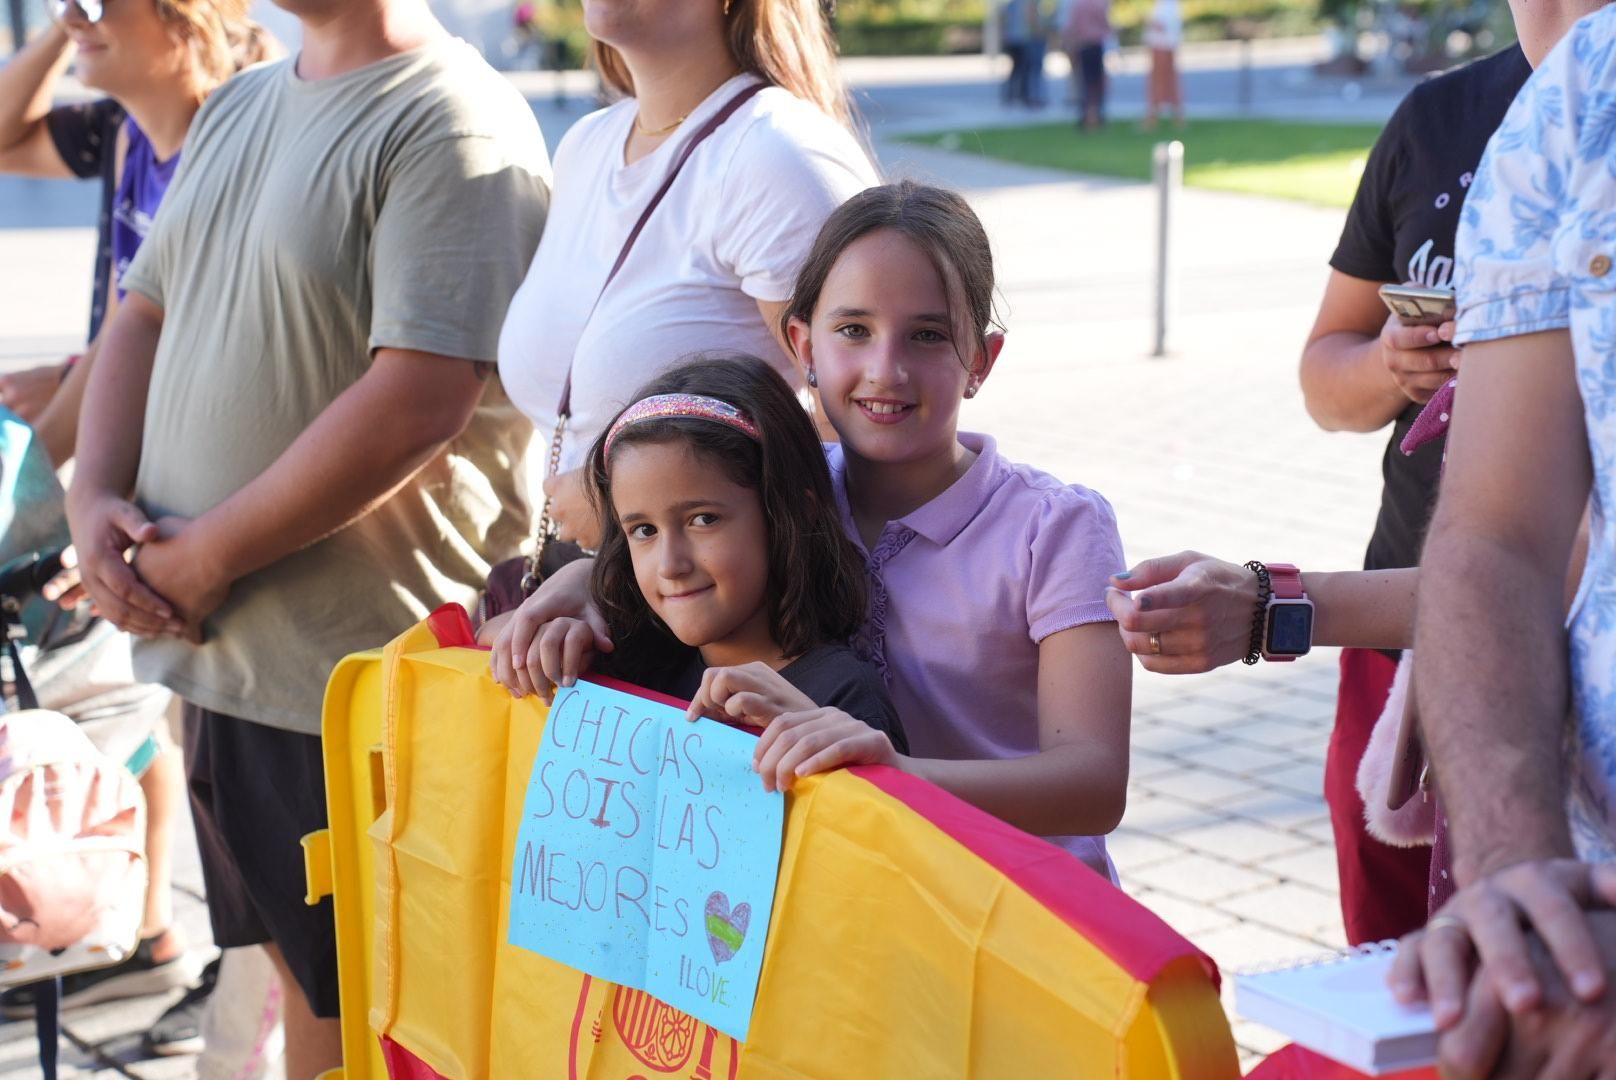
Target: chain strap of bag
<point>547,525</point>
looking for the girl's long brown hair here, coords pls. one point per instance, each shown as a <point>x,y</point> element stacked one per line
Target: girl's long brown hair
<point>816,592</point>
<point>787,43</point>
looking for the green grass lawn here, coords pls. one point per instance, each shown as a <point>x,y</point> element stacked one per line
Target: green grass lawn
<point>1314,163</point>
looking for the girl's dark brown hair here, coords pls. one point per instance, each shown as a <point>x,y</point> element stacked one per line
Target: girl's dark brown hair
<point>939,221</point>
<point>816,589</point>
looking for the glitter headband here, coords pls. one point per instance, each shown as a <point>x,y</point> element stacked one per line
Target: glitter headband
<point>680,407</point>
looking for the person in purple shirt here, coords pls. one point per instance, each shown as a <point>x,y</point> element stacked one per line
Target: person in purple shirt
<point>141,187</point>
<point>156,62</point>
<point>987,578</point>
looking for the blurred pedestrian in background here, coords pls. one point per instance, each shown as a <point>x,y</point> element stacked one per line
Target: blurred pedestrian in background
<point>1085,25</point>
<point>1164,33</point>
<point>1025,43</point>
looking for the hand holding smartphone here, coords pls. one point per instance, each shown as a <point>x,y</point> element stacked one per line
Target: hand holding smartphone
<point>1415,305</point>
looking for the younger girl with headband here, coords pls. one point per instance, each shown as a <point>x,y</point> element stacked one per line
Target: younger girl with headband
<point>722,548</point>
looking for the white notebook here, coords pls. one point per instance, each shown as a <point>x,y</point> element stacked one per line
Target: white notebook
<point>1341,1007</point>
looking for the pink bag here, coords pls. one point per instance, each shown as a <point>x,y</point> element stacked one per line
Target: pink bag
<point>72,851</point>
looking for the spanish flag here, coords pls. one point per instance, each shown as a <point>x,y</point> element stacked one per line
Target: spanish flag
<point>913,936</point>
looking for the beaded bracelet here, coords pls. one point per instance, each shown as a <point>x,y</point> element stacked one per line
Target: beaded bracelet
<point>1264,591</point>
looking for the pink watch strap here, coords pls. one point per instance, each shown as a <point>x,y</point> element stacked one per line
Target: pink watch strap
<point>1286,581</point>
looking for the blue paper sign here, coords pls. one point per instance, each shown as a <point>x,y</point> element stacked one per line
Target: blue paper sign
<point>648,853</point>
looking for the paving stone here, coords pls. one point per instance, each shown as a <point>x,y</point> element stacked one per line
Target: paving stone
<point>1256,1040</point>
<point>1144,765</point>
<point>19,1057</point>
<point>1296,909</point>
<point>1186,916</point>
<point>1245,946</point>
<point>1150,688</point>
<point>1312,753</point>
<point>1162,815</point>
<point>1314,866</point>
<point>1321,695</point>
<point>1202,786</point>
<point>1272,732</point>
<point>1285,809</point>
<point>1242,759</point>
<point>1303,777</point>
<point>103,1023</point>
<point>1302,703</point>
<point>1319,829</point>
<point>1248,695</point>
<point>1201,878</point>
<point>1193,708</point>
<point>128,1052</point>
<point>1170,739</point>
<point>1334,934</point>
<point>1243,842</point>
<point>1131,850</point>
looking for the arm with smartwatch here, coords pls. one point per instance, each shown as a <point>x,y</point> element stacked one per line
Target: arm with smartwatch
<point>1201,609</point>
<point>1190,613</point>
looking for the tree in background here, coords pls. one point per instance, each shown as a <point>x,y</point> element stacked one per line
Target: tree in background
<point>1413,35</point>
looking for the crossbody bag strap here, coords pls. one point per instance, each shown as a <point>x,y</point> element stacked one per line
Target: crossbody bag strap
<point>530,579</point>
<point>713,123</point>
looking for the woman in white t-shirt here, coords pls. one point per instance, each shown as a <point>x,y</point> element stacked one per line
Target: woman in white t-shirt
<point>716,260</point>
<point>1163,35</point>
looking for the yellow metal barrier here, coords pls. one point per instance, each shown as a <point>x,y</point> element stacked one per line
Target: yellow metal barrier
<point>912,935</point>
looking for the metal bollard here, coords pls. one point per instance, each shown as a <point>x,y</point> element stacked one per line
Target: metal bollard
<point>1245,75</point>
<point>1169,160</point>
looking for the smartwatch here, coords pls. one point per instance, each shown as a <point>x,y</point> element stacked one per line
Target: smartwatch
<point>1288,623</point>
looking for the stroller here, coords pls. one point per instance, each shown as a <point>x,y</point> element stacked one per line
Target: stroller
<point>50,771</point>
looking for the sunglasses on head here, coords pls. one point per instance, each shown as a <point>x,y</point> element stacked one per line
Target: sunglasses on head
<point>92,10</point>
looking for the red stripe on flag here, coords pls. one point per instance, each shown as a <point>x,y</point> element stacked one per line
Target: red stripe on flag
<point>403,1065</point>
<point>1297,1063</point>
<point>452,627</point>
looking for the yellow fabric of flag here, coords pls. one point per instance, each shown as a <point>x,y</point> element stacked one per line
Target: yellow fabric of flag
<point>913,936</point>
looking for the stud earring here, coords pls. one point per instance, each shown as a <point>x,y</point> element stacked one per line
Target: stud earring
<point>813,379</point>
<point>972,387</point>
<point>726,8</point>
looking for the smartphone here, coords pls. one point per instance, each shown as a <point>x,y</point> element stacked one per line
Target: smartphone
<point>1417,306</point>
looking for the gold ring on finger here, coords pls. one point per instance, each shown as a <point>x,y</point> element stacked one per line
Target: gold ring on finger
<point>1447,922</point>
<point>1155,643</point>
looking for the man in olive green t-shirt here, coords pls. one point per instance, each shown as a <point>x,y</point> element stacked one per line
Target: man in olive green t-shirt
<point>299,395</point>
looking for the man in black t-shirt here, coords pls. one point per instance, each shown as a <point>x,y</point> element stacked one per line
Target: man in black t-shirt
<point>1361,371</point>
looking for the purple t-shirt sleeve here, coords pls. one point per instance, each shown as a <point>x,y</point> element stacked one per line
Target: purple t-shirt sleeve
<point>1075,548</point>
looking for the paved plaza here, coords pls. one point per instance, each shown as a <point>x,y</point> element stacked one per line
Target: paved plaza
<point>1226,834</point>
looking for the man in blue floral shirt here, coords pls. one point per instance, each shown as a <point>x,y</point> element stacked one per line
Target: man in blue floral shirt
<point>1518,706</point>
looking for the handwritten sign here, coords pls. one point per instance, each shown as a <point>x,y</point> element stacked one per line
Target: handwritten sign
<point>647,853</point>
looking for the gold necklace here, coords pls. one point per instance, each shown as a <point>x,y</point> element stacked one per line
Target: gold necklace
<point>654,132</point>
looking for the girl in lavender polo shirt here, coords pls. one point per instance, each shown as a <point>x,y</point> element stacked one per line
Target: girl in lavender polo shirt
<point>987,579</point>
